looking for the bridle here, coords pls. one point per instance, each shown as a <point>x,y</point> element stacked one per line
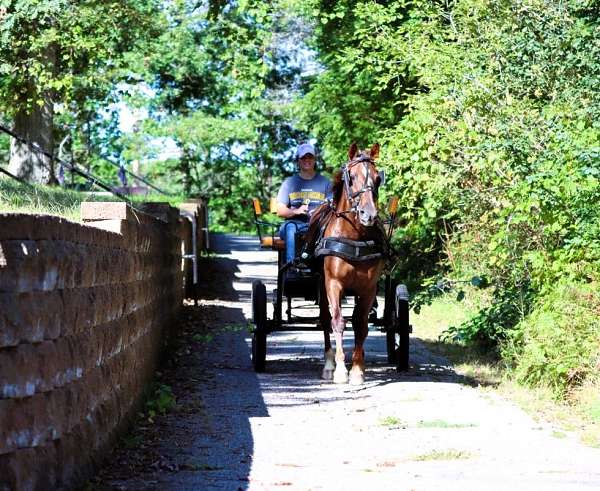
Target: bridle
<point>368,185</point>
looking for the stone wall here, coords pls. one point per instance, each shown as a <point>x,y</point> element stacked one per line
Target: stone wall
<point>83,310</point>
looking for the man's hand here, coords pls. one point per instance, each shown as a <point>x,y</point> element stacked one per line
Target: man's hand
<point>301,210</point>
<point>284,212</point>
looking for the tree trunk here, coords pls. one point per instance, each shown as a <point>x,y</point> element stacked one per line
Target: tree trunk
<point>36,126</point>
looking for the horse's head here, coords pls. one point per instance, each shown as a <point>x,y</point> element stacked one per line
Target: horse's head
<point>361,182</point>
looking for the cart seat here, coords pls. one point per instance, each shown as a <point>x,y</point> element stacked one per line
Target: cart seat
<point>267,230</point>
<point>275,243</point>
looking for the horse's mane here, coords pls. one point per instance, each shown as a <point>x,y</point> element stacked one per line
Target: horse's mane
<point>337,187</point>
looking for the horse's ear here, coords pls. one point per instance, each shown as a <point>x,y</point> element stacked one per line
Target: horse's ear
<point>375,151</point>
<point>352,151</point>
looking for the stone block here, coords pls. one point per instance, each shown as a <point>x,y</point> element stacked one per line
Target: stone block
<point>29,469</point>
<point>105,210</point>
<point>30,317</point>
<point>161,211</point>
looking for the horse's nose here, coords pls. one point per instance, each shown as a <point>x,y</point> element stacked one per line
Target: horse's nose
<point>366,218</point>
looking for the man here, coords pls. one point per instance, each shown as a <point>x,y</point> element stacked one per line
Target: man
<point>299,196</point>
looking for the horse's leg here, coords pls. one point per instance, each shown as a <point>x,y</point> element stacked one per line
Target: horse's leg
<point>325,318</point>
<point>338,324</point>
<point>360,325</point>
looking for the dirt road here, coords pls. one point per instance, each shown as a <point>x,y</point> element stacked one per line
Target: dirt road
<point>427,429</point>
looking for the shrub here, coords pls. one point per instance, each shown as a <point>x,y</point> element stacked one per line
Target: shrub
<point>558,344</point>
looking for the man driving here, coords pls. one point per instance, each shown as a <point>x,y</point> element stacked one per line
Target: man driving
<point>299,196</point>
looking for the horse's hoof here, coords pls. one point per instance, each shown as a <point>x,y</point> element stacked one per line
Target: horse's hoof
<point>340,377</point>
<point>327,374</point>
<point>357,378</point>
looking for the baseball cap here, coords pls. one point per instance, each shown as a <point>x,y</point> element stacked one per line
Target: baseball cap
<point>303,149</point>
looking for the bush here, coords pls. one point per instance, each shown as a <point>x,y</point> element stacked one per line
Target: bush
<point>558,344</point>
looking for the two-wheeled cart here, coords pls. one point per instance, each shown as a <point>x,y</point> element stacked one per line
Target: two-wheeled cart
<point>306,284</point>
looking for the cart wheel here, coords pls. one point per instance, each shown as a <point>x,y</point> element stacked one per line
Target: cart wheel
<point>389,317</point>
<point>259,317</point>
<point>403,327</point>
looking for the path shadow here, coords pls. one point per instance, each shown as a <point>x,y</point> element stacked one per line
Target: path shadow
<point>294,365</point>
<point>215,278</point>
<point>205,441</point>
<point>211,439</point>
<point>227,243</point>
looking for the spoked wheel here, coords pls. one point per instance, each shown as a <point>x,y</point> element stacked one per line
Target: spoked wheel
<point>259,318</point>
<point>403,327</point>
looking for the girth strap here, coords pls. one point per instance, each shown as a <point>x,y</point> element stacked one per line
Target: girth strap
<point>350,250</point>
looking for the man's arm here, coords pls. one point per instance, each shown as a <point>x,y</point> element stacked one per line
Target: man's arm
<point>283,199</point>
<point>284,212</point>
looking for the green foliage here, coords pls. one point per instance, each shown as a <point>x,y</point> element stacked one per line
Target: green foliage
<point>217,79</point>
<point>160,401</point>
<point>72,49</point>
<point>500,146</point>
<point>362,89</point>
<point>488,112</point>
<point>493,323</point>
<point>558,345</point>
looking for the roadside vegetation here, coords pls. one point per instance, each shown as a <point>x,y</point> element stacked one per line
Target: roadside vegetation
<point>39,199</point>
<point>16,197</point>
<point>577,411</point>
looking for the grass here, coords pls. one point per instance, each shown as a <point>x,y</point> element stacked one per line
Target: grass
<point>49,200</point>
<point>36,199</point>
<point>448,454</point>
<point>580,413</point>
<point>483,368</point>
<point>390,422</point>
<point>438,423</point>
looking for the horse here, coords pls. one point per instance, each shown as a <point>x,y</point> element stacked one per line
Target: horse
<point>350,244</point>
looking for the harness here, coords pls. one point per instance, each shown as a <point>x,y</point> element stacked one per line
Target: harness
<point>348,249</point>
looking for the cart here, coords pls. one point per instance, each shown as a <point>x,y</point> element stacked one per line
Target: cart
<point>395,321</point>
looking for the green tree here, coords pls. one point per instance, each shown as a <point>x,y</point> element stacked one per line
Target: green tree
<point>57,56</point>
<point>218,77</point>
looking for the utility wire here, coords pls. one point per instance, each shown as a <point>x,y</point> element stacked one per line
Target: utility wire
<point>135,176</point>
<point>16,178</point>
<point>72,167</point>
<point>139,178</point>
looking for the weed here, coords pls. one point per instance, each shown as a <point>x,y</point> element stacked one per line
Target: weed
<point>161,401</point>
<point>390,422</point>
<point>438,423</point>
<point>238,327</point>
<point>448,454</point>
<point>593,410</point>
<point>202,338</point>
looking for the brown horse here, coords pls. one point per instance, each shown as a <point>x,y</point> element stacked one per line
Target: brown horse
<point>352,227</point>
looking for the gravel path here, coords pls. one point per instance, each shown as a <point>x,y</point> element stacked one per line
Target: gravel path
<point>427,429</point>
